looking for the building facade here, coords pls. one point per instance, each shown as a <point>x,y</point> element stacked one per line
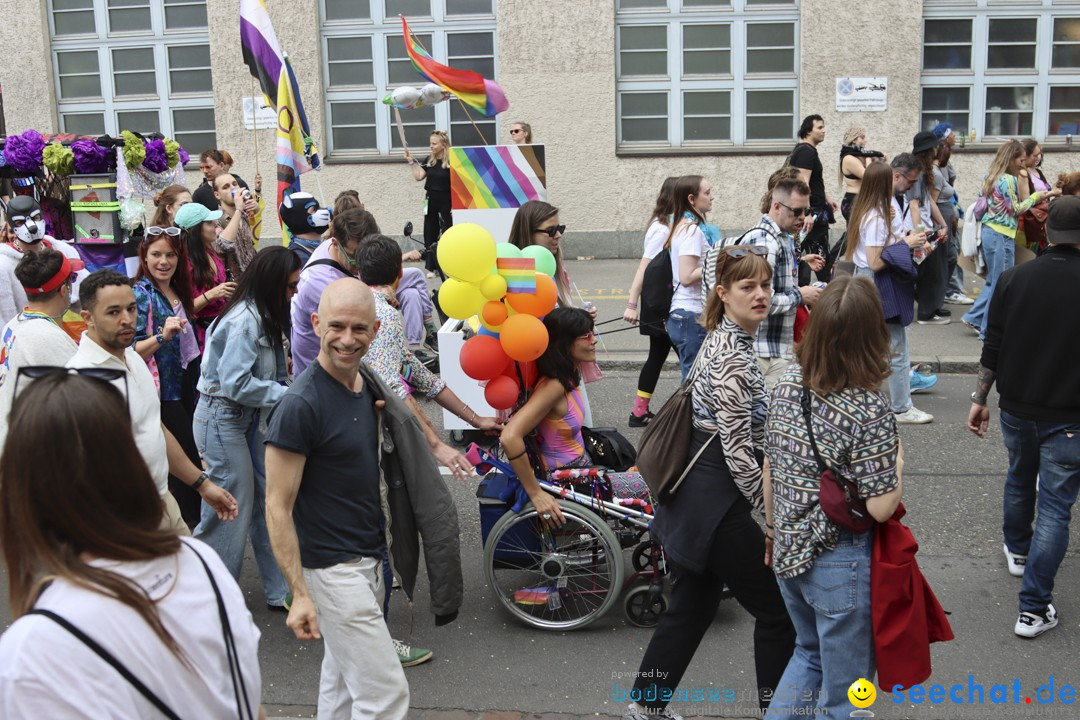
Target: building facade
<point>622,93</point>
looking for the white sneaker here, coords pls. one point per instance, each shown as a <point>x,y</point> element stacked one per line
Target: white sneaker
<point>1032,625</point>
<point>913,416</point>
<point>1014,562</point>
<point>958,299</point>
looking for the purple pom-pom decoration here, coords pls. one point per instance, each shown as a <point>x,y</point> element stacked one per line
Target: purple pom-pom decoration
<point>23,152</point>
<point>184,157</point>
<point>90,158</point>
<point>155,156</point>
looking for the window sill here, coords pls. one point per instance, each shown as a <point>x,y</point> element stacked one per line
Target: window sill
<point>730,151</point>
<point>346,159</point>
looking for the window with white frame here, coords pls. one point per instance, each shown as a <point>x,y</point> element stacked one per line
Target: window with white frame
<point>706,73</point>
<point>366,60</point>
<point>992,69</point>
<point>141,65</point>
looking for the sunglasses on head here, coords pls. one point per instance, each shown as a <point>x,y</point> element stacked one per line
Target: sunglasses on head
<point>154,231</point>
<point>552,231</point>
<point>737,252</point>
<point>105,375</point>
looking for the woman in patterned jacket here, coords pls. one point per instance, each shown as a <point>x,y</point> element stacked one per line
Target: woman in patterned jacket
<point>824,570</point>
<point>707,528</point>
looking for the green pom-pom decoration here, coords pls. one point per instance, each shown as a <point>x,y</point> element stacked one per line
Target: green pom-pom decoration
<point>134,150</point>
<point>172,152</point>
<point>58,159</point>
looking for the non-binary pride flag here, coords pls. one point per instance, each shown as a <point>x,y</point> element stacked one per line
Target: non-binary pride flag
<point>496,176</point>
<point>471,87</point>
<point>296,153</point>
<point>519,274</point>
<point>259,45</point>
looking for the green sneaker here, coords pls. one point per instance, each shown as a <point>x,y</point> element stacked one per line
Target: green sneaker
<point>409,655</point>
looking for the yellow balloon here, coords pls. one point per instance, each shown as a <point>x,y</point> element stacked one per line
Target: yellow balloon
<point>460,300</point>
<point>493,287</point>
<point>467,252</point>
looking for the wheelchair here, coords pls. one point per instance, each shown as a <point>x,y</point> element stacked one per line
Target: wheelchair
<point>565,578</point>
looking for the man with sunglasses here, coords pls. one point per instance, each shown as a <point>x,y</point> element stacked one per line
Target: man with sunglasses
<point>35,336</point>
<point>28,226</point>
<point>789,207</point>
<point>108,303</point>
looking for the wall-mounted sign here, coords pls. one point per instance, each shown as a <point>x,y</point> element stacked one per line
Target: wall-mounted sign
<point>862,94</point>
<point>257,115</point>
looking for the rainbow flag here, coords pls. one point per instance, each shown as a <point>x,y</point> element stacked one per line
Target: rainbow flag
<point>496,176</point>
<point>519,273</point>
<point>470,87</point>
<point>296,152</point>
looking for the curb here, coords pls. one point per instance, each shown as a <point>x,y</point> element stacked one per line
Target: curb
<point>940,364</point>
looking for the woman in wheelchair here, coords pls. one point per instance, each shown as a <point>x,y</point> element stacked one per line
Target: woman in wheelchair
<point>554,409</point>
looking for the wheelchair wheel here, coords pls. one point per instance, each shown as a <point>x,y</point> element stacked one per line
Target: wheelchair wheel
<point>644,604</point>
<point>554,579</point>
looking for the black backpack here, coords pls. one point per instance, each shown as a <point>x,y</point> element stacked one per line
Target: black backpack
<point>657,289</point>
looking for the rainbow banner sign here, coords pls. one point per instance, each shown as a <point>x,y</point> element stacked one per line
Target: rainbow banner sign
<point>519,273</point>
<point>496,176</point>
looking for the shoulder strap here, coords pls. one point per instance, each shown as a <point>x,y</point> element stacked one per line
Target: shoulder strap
<point>808,417</point>
<point>111,659</point>
<point>327,261</point>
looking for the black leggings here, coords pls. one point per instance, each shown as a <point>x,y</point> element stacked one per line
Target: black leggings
<point>737,559</point>
<point>437,221</point>
<point>659,347</point>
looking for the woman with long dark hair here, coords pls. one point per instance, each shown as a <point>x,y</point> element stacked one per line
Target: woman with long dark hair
<point>243,376</point>
<point>824,570</point>
<point>707,527</point>
<point>1031,226</point>
<point>210,287</point>
<point>165,339</point>
<point>86,557</point>
<point>435,174</point>
<point>659,341</point>
<point>922,212</point>
<point>555,409</point>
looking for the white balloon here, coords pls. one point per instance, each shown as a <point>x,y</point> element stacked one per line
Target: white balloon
<point>406,96</point>
<point>432,94</point>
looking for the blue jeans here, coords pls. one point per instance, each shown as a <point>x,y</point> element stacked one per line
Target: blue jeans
<point>1050,453</point>
<point>900,364</point>
<point>230,441</point>
<point>999,251</point>
<point>686,335</point>
<point>829,605</point>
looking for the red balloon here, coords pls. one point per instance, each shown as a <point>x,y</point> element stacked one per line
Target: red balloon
<point>529,373</point>
<point>537,304</point>
<point>483,358</point>
<point>501,393</point>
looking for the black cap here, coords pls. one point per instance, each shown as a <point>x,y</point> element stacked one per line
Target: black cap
<point>1063,223</point>
<point>926,140</point>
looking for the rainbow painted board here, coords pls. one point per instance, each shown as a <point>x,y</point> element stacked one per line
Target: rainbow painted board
<point>485,177</point>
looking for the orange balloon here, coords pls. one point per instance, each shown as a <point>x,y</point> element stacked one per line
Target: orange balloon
<point>494,313</point>
<point>537,304</point>
<point>523,337</point>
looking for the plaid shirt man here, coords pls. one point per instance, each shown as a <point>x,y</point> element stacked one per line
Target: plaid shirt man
<point>776,335</point>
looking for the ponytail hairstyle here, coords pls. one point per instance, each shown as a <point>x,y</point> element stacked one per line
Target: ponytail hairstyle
<point>163,200</point>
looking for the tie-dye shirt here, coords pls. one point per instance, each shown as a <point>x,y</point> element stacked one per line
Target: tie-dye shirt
<point>1004,205</point>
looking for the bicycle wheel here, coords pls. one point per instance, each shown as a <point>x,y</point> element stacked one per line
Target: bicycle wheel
<point>554,579</point>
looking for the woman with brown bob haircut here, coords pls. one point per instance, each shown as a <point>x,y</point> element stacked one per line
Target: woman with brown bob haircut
<point>824,570</point>
<point>707,527</point>
<point>85,555</point>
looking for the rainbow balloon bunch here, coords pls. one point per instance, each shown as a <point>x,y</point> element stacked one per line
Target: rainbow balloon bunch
<point>510,290</point>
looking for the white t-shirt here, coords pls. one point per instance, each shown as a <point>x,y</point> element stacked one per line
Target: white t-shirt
<point>26,341</point>
<point>873,232</point>
<point>46,672</point>
<point>143,403</point>
<point>687,240</point>
<point>655,237</point>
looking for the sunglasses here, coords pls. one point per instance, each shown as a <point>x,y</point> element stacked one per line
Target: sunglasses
<point>516,131</point>
<point>738,252</point>
<point>154,231</point>
<point>105,375</point>
<point>591,335</point>
<point>552,231</point>
<point>797,212</point>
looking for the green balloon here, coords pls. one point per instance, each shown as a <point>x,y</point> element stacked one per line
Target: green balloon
<point>507,250</point>
<point>545,261</point>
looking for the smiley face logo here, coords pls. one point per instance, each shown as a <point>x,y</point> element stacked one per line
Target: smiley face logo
<point>862,693</point>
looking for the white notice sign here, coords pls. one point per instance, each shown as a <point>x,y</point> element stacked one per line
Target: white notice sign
<point>862,94</point>
<point>257,115</point>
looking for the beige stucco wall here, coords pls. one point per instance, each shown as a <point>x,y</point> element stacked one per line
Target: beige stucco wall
<point>29,87</point>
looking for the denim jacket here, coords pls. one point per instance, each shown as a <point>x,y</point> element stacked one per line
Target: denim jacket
<point>240,363</point>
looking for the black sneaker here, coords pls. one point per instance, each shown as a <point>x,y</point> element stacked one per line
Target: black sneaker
<point>943,312</point>
<point>640,420</point>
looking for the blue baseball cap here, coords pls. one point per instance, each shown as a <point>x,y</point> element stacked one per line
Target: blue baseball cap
<point>191,214</point>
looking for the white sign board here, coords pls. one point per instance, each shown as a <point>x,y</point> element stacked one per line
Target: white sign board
<point>862,94</point>
<point>258,115</point>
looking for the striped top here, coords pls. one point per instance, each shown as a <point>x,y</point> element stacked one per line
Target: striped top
<point>856,434</point>
<point>561,442</point>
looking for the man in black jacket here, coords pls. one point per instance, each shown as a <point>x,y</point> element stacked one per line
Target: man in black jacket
<point>1031,350</point>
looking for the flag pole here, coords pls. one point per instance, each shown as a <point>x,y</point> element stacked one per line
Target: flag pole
<point>255,106</point>
<point>463,106</point>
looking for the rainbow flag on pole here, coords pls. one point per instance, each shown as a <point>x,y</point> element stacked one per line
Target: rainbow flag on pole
<point>296,152</point>
<point>470,87</point>
<point>519,273</point>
